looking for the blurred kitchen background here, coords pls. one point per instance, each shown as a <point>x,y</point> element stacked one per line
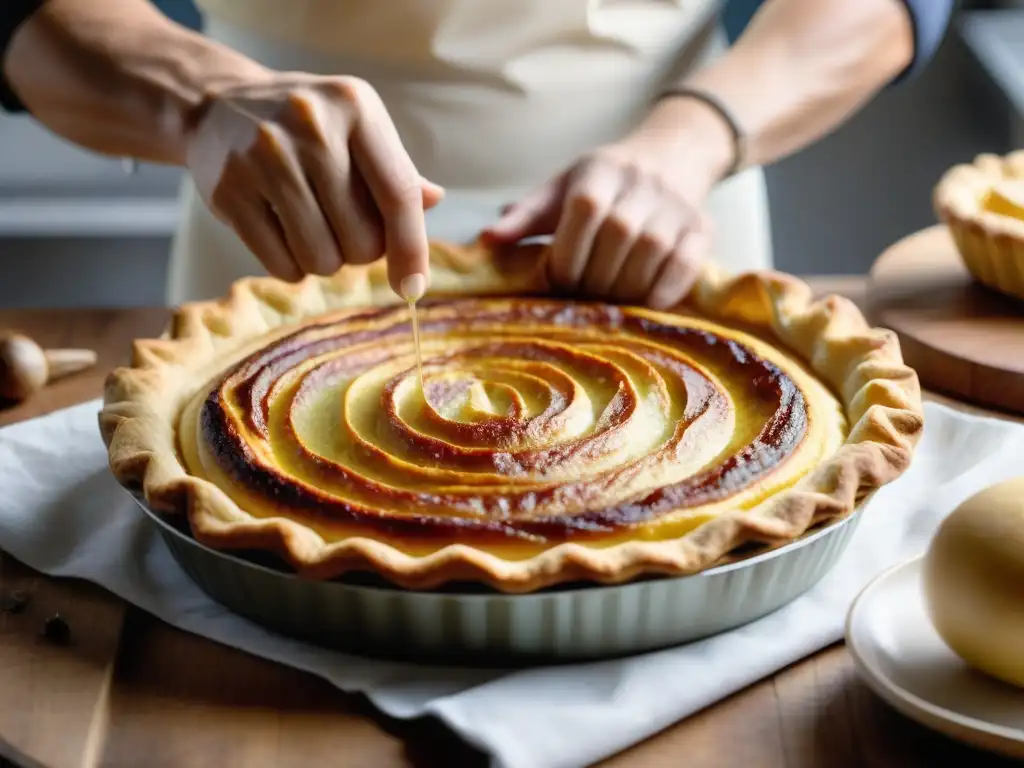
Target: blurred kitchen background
<point>76,230</point>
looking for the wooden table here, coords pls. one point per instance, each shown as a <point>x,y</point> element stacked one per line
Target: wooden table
<point>132,691</point>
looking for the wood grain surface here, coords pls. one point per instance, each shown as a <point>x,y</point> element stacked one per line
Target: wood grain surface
<point>961,337</point>
<point>131,691</point>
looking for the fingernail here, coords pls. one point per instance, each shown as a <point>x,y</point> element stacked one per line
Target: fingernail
<point>413,287</point>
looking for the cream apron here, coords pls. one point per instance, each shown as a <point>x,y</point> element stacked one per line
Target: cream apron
<point>490,98</point>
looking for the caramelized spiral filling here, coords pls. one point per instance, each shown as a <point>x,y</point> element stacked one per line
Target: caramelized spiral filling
<point>539,421</point>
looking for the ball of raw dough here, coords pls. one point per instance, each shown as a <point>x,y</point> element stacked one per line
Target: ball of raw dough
<point>974,581</point>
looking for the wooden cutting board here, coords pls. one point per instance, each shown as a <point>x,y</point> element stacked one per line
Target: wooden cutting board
<point>962,338</point>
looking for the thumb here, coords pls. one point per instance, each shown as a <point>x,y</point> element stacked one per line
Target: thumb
<point>432,194</point>
<point>537,214</point>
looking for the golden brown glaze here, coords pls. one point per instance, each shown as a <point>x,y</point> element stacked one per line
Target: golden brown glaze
<point>520,473</point>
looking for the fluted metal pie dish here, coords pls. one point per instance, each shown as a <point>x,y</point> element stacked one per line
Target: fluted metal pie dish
<point>598,461</point>
<point>471,625</point>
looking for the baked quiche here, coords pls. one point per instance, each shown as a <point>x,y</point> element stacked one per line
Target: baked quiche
<point>549,440</point>
<point>982,204</point>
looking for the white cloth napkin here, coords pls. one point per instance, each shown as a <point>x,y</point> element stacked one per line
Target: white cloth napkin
<point>63,514</point>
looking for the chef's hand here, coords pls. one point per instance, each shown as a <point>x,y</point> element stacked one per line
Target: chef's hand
<point>311,174</point>
<point>628,218</point>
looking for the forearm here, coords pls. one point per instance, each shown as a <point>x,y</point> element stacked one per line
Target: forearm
<point>117,76</point>
<point>799,70</point>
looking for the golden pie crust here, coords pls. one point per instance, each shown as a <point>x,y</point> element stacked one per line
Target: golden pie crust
<point>559,441</point>
<point>982,204</point>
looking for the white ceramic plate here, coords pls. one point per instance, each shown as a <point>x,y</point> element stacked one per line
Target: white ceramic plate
<point>902,658</point>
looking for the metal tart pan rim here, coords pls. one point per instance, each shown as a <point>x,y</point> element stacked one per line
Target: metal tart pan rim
<point>556,624</point>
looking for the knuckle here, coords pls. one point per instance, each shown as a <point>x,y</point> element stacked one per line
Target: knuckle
<point>634,173</point>
<point>585,205</point>
<point>269,144</point>
<point>591,172</point>
<point>351,90</point>
<point>301,116</point>
<point>585,166</point>
<point>266,132</point>
<point>612,160</point>
<point>300,102</point>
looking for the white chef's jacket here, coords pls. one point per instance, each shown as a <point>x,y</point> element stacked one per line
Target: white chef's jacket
<point>490,98</point>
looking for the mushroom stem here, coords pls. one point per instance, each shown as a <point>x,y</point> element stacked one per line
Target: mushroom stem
<point>25,367</point>
<point>62,362</point>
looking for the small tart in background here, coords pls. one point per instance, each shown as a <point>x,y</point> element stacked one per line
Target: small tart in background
<point>982,204</point>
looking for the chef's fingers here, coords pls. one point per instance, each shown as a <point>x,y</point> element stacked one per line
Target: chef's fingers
<point>347,205</point>
<point>680,270</point>
<point>616,237</point>
<point>282,180</point>
<point>536,214</point>
<point>588,199</point>
<point>397,191</point>
<point>240,205</point>
<point>647,256</point>
<point>253,219</point>
<point>638,273</point>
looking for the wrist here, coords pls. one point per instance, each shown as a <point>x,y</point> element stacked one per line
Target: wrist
<point>201,72</point>
<point>692,133</point>
<point>170,74</point>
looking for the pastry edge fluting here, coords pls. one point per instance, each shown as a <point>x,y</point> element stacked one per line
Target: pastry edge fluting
<point>863,366</point>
